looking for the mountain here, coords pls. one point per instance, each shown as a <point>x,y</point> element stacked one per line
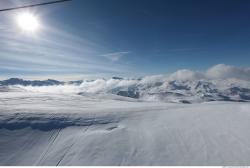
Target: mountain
<point>17,81</point>
<point>184,91</point>
<point>189,91</point>
<point>77,82</point>
<point>119,78</point>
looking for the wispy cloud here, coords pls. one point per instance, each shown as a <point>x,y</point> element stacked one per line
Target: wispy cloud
<point>53,51</point>
<point>116,56</point>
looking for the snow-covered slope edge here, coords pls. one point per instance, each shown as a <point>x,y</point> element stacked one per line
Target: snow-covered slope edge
<point>128,121</point>
<point>150,134</point>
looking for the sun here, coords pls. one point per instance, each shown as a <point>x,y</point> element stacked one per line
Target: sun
<point>28,22</point>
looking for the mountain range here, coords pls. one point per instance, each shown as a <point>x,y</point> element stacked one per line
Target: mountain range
<point>188,91</point>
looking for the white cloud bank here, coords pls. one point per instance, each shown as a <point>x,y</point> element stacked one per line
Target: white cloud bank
<point>217,72</point>
<point>186,74</point>
<point>220,71</point>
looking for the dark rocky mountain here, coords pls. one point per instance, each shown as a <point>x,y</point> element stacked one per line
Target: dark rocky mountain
<point>17,81</point>
<point>118,78</point>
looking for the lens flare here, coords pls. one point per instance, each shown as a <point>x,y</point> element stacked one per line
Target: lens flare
<point>28,22</point>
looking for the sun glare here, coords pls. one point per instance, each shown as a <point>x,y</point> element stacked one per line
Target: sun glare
<point>28,22</point>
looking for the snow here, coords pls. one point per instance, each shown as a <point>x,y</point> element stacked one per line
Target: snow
<point>38,128</point>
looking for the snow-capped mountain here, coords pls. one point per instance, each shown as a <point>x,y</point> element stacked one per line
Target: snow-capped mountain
<point>188,91</point>
<point>184,91</point>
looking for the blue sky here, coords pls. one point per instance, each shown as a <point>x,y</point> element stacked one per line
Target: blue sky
<point>94,38</point>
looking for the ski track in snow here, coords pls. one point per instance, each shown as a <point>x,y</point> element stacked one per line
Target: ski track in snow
<point>67,129</point>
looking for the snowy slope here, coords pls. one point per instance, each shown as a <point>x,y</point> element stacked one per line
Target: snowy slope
<point>38,128</point>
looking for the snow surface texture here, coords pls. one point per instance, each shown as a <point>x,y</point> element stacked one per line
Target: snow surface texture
<point>187,118</point>
<point>70,129</point>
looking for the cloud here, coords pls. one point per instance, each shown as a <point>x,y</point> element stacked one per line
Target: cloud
<point>220,71</point>
<point>223,71</point>
<point>52,89</point>
<point>153,79</point>
<point>116,56</point>
<point>186,74</point>
<point>53,51</point>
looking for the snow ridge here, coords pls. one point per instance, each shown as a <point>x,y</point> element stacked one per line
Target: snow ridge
<point>47,122</point>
